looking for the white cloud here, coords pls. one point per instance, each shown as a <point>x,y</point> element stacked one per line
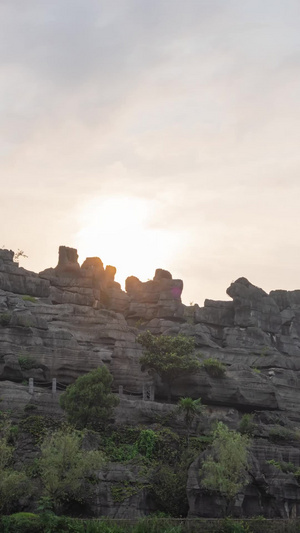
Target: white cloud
<point>194,104</point>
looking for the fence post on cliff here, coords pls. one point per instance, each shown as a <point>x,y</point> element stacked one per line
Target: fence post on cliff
<point>148,392</point>
<point>53,385</point>
<point>152,393</point>
<point>121,391</point>
<point>30,385</point>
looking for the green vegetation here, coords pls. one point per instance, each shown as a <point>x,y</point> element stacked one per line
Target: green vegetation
<point>169,487</point>
<point>146,442</point>
<point>5,318</point>
<point>190,409</point>
<point>89,402</point>
<point>64,467</point>
<point>247,425</point>
<point>28,298</point>
<point>13,483</point>
<point>38,426</point>
<point>168,357</point>
<point>27,363</point>
<point>50,523</point>
<point>224,470</point>
<point>287,468</point>
<point>21,523</point>
<point>214,368</point>
<point>265,351</point>
<point>280,433</point>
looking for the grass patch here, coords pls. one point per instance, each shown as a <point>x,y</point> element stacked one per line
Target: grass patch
<point>214,367</point>
<point>28,298</point>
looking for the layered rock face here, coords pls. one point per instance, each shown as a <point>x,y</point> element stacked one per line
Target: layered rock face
<point>70,319</point>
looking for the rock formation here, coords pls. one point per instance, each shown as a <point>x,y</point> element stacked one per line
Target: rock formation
<point>70,319</point>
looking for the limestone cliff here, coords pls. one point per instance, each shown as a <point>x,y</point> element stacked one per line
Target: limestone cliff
<point>71,319</point>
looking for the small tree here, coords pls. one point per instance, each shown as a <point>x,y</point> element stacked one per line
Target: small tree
<point>190,409</point>
<point>225,470</point>
<point>169,357</point>
<point>65,468</point>
<point>13,484</point>
<point>89,401</point>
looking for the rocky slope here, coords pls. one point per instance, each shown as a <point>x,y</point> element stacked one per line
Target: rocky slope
<point>70,319</point>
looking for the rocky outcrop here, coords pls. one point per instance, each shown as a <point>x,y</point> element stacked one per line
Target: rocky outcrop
<point>157,298</point>
<point>70,319</point>
<point>268,490</point>
<point>18,280</point>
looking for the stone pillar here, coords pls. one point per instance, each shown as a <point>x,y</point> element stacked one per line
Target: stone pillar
<point>53,385</point>
<point>121,391</point>
<point>147,394</point>
<point>30,385</point>
<point>144,392</point>
<point>152,393</point>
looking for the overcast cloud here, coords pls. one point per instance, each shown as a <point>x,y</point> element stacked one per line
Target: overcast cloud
<point>194,104</point>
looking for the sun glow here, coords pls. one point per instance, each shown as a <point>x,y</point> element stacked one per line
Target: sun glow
<point>121,232</point>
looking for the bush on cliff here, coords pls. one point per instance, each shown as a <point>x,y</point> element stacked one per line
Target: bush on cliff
<point>225,469</point>
<point>169,357</point>
<point>13,484</point>
<point>65,468</point>
<point>89,402</point>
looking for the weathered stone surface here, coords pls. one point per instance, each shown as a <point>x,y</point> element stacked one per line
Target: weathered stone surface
<point>158,298</point>
<point>18,280</point>
<point>253,307</point>
<point>221,313</point>
<point>268,491</point>
<point>122,492</point>
<point>80,319</point>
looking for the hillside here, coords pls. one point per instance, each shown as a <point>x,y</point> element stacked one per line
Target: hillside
<point>70,319</point>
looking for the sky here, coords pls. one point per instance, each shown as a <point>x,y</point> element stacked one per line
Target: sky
<point>154,134</point>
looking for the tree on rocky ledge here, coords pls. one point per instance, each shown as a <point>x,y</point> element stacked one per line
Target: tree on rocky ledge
<point>89,402</point>
<point>224,470</point>
<point>190,409</point>
<point>169,357</point>
<point>67,472</point>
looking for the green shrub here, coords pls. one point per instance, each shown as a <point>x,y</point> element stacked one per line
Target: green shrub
<point>13,483</point>
<point>65,468</point>
<point>168,446</point>
<point>168,356</point>
<point>37,426</point>
<point>146,442</point>
<point>5,318</point>
<point>30,406</point>
<point>89,402</point>
<point>280,433</point>
<point>247,425</point>
<point>27,363</point>
<point>21,523</point>
<point>214,368</point>
<point>285,467</point>
<point>121,445</point>
<point>225,469</point>
<point>13,434</point>
<point>169,488</point>
<point>27,298</point>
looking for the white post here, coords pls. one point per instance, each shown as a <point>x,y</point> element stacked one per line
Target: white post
<point>152,393</point>
<point>30,385</point>
<point>121,391</point>
<point>53,385</point>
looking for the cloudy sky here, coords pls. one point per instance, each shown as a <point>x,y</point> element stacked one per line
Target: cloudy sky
<point>160,133</point>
